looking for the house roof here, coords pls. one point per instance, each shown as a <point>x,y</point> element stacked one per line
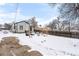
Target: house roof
<point>22,21</point>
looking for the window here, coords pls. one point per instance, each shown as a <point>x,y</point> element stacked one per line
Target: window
<point>21,27</point>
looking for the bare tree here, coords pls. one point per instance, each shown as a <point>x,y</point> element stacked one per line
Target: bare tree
<point>34,22</point>
<point>7,26</point>
<point>69,11</point>
<point>54,24</point>
<point>65,25</point>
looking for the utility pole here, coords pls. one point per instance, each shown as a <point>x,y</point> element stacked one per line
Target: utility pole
<point>16,10</point>
<point>58,22</point>
<point>70,28</point>
<point>69,25</point>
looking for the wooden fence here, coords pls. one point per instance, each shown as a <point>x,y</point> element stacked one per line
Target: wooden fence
<point>63,33</point>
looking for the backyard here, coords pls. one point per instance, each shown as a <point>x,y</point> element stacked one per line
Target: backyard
<point>48,45</point>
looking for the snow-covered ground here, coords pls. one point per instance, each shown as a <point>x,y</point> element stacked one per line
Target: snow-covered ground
<point>50,45</point>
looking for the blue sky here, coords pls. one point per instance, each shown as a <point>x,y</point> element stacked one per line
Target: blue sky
<point>43,12</point>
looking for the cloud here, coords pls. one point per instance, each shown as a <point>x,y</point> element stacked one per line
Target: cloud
<point>12,17</point>
<point>2,3</point>
<point>43,21</point>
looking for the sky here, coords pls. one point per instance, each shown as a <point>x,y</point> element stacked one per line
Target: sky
<point>42,11</point>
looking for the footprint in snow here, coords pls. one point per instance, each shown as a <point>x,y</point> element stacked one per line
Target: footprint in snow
<point>43,41</point>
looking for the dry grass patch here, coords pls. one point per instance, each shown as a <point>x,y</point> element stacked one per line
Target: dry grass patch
<point>22,51</point>
<point>5,51</point>
<point>8,40</point>
<point>35,53</point>
<point>10,45</point>
<point>11,42</point>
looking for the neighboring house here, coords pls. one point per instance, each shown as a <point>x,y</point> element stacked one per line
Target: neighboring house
<point>21,26</point>
<point>3,28</point>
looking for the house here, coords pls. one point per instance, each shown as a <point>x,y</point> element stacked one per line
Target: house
<point>21,27</point>
<point>3,28</point>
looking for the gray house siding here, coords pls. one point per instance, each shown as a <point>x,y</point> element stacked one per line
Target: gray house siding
<point>20,27</point>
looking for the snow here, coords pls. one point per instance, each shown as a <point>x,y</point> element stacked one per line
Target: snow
<point>49,46</point>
